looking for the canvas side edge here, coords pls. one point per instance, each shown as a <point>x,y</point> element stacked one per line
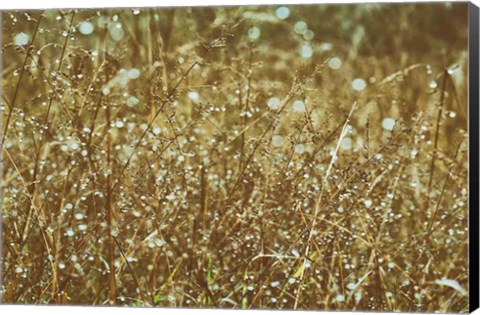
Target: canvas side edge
<point>473,96</point>
<point>1,162</point>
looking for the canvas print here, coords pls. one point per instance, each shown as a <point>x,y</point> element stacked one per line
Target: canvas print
<point>303,157</point>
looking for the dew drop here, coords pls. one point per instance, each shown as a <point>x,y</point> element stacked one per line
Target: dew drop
<point>86,28</point>
<point>306,51</point>
<point>300,27</point>
<point>335,63</point>
<point>134,73</point>
<point>359,84</point>
<point>21,39</point>
<point>116,32</point>
<point>351,286</point>
<point>428,69</point>
<point>194,96</point>
<point>132,101</point>
<point>326,46</point>
<point>282,13</point>
<point>388,124</point>
<point>413,153</point>
<point>106,91</point>
<point>346,143</point>
<point>299,148</point>
<point>274,103</point>
<point>299,106</point>
<point>156,131</point>
<point>277,141</point>
<point>308,35</point>
<point>358,296</point>
<point>74,146</point>
<point>254,33</point>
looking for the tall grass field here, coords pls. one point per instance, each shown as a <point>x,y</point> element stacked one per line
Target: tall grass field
<point>308,157</point>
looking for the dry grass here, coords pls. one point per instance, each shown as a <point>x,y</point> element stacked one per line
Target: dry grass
<point>224,157</point>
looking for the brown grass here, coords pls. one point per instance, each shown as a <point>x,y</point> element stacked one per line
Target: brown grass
<point>177,157</point>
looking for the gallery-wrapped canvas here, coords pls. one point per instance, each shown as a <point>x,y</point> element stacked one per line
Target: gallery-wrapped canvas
<point>303,157</point>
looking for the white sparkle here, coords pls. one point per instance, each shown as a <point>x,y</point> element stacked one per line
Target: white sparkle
<point>282,13</point>
<point>388,124</point>
<point>254,33</point>
<point>86,28</point>
<point>21,39</point>
<point>277,141</point>
<point>306,51</point>
<point>134,73</point>
<point>299,106</point>
<point>359,84</point>
<point>274,103</point>
<point>335,63</point>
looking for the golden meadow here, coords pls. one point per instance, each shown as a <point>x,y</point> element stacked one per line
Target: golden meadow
<point>265,157</point>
